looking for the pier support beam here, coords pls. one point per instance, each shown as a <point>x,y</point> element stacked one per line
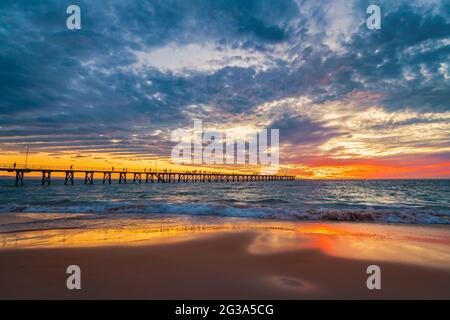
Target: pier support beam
<point>69,178</point>
<point>46,177</point>
<point>19,178</point>
<point>107,177</point>
<point>148,176</point>
<point>137,177</point>
<point>89,178</point>
<point>122,178</point>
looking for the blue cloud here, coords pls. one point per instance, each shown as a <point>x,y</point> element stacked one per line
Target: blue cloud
<point>81,84</point>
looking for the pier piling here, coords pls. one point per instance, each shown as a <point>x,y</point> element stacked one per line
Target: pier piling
<point>69,178</point>
<point>107,177</point>
<point>19,178</point>
<point>46,177</point>
<point>122,178</point>
<point>89,178</point>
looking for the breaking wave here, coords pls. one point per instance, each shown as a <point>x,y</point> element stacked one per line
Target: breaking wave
<point>380,215</point>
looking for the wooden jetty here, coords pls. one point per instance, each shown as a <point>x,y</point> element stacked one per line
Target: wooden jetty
<point>124,176</point>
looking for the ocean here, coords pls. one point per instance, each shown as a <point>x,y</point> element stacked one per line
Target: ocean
<point>382,201</point>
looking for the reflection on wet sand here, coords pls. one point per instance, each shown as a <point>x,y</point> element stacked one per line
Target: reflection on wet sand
<point>227,259</point>
<point>102,237</point>
<point>418,245</point>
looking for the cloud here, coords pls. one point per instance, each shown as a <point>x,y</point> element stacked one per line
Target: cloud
<point>186,59</point>
<point>310,67</point>
<point>355,128</point>
<point>302,132</point>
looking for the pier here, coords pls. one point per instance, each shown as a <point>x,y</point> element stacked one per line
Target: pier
<point>124,176</point>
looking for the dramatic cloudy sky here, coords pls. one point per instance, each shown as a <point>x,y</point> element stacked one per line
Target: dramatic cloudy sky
<point>349,102</point>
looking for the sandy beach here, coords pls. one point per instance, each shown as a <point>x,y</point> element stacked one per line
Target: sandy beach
<point>239,259</point>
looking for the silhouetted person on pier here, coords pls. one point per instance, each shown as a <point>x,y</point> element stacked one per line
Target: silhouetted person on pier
<point>14,165</point>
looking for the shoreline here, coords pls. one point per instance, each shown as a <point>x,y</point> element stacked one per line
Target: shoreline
<point>234,259</point>
<point>144,227</point>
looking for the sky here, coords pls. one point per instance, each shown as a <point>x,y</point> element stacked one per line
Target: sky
<point>349,102</point>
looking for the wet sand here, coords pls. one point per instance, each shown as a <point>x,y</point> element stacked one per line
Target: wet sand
<point>271,260</point>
